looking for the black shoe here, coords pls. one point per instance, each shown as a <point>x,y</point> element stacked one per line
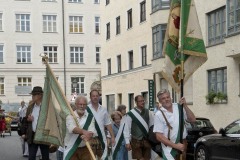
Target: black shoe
<point>3,136</point>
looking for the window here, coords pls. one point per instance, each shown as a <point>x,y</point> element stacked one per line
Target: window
<point>98,54</point>
<point>160,4</point>
<point>96,1</point>
<point>23,54</point>
<point>109,66</point>
<point>1,22</point>
<point>75,1</point>
<point>110,103</point>
<point>158,39</point>
<point>23,22</point>
<point>119,63</point>
<point>118,25</point>
<point>77,85</point>
<point>76,54</point>
<point>129,13</point>
<point>108,31</point>
<point>233,8</point>
<point>216,26</point>
<point>1,53</point>
<point>131,101</point>
<point>107,2</point>
<point>51,52</point>
<point>1,86</point>
<point>143,11</point>
<point>24,81</point>
<point>49,23</point>
<point>144,55</point>
<point>130,57</point>
<point>75,24</point>
<point>217,80</point>
<point>97,24</point>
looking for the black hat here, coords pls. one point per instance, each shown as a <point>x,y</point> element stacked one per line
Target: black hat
<point>37,90</point>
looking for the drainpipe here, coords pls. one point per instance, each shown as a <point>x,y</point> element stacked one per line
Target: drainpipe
<point>64,54</point>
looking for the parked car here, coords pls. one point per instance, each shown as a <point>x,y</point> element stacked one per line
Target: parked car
<point>225,145</point>
<point>14,124</point>
<point>200,128</point>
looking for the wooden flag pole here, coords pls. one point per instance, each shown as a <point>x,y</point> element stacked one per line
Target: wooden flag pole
<point>182,71</point>
<point>45,61</point>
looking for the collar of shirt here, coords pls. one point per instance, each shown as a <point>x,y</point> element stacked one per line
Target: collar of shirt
<point>99,106</point>
<point>35,105</point>
<point>139,110</point>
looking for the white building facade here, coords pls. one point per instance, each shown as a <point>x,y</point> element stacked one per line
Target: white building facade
<point>218,77</point>
<point>68,31</point>
<point>127,48</point>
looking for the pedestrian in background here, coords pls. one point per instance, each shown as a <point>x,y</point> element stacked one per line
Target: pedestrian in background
<point>2,122</point>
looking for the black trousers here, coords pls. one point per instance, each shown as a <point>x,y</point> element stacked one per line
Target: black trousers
<point>32,149</point>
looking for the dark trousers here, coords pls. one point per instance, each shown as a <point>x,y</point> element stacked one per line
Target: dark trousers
<point>32,149</point>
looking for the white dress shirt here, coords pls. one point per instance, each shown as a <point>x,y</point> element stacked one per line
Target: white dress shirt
<point>35,114</point>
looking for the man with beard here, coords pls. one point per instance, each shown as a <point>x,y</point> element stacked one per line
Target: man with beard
<point>76,136</point>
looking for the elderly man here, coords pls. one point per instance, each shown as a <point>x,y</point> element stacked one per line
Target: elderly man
<point>77,134</point>
<point>102,120</point>
<point>138,121</point>
<point>167,125</point>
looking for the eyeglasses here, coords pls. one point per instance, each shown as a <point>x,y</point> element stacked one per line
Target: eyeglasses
<point>141,101</point>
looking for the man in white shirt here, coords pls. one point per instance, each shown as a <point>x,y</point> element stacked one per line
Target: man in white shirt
<point>102,120</point>
<point>167,125</point>
<point>77,134</point>
<point>22,111</point>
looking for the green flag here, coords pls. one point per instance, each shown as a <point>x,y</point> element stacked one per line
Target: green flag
<point>51,127</point>
<point>191,43</point>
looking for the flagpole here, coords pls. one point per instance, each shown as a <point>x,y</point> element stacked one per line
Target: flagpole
<point>182,20</point>
<point>45,61</point>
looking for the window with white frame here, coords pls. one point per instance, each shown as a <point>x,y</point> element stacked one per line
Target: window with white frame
<point>109,66</point>
<point>158,34</point>
<point>75,1</point>
<point>233,8</point>
<point>160,4</point>
<point>217,80</point>
<point>216,26</point>
<point>119,63</point>
<point>1,22</point>
<point>1,53</point>
<point>77,84</point>
<point>96,1</point>
<point>23,22</point>
<point>118,30</point>
<point>130,59</point>
<point>51,52</point>
<point>129,16</point>
<point>144,55</point>
<point>2,86</point>
<point>49,23</point>
<point>76,24</point>
<point>24,81</point>
<point>143,11</point>
<point>23,54</point>
<point>98,54</point>
<point>76,54</point>
<point>108,31</point>
<point>97,24</point>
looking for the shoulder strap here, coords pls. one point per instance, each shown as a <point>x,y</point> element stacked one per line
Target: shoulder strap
<point>168,124</point>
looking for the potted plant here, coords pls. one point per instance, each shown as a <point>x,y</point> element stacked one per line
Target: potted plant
<point>213,97</point>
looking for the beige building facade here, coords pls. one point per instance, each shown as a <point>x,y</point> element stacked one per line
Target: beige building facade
<point>220,74</point>
<point>64,30</point>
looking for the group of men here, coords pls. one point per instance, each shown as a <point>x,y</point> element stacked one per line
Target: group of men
<point>90,120</point>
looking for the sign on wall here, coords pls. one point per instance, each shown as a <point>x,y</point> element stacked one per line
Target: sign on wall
<point>151,94</point>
